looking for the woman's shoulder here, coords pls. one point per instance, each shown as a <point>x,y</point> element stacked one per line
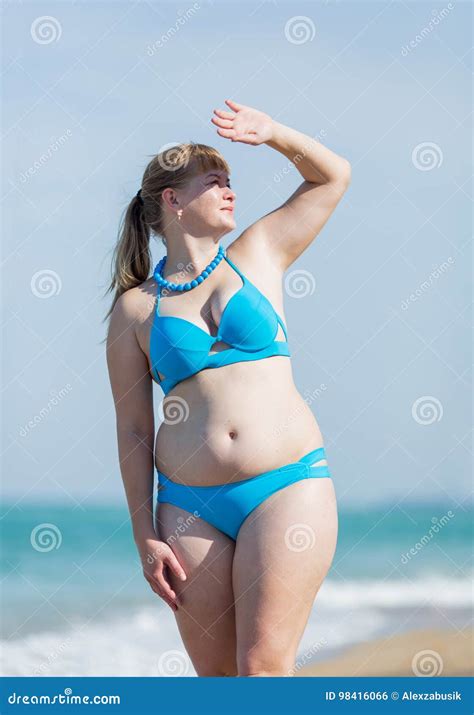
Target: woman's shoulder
<point>135,304</point>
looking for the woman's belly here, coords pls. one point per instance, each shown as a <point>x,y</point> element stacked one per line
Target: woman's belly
<point>230,423</point>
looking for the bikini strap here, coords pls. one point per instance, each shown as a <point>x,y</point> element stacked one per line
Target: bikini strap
<point>282,325</point>
<point>230,262</point>
<point>314,456</point>
<point>156,313</point>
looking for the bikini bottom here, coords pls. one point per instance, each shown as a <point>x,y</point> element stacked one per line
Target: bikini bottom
<point>226,506</point>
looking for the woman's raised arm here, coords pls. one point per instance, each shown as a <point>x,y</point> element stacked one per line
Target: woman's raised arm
<point>282,235</point>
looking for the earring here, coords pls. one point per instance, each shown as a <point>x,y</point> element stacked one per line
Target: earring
<point>180,213</point>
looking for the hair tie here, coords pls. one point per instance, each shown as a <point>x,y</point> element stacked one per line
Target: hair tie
<point>139,196</point>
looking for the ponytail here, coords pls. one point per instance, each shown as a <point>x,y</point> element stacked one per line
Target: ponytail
<point>131,259</point>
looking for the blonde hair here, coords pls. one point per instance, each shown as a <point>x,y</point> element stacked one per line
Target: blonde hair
<point>172,168</point>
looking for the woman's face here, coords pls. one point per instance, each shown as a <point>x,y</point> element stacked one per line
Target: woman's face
<point>208,204</point>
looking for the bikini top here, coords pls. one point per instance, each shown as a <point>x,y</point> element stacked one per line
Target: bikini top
<point>249,325</point>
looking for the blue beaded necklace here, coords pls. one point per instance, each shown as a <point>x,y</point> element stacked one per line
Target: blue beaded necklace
<point>158,273</point>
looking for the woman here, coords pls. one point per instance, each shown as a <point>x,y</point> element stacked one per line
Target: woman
<point>246,523</point>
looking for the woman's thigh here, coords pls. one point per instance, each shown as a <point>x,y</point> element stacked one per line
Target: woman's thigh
<point>205,614</point>
<point>283,552</point>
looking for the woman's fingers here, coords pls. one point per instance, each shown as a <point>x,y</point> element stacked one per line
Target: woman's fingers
<point>173,563</point>
<point>227,133</point>
<point>223,115</point>
<point>233,105</point>
<point>161,588</point>
<point>156,557</point>
<point>164,586</point>
<point>224,123</point>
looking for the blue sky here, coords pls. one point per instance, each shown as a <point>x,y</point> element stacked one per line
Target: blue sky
<point>91,90</point>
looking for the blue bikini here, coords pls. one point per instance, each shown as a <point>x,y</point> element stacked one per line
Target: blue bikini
<point>180,349</point>
<point>226,506</point>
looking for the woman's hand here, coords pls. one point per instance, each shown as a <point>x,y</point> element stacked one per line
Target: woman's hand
<point>157,557</point>
<point>247,125</point>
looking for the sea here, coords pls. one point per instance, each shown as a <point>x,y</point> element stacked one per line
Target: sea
<point>74,601</point>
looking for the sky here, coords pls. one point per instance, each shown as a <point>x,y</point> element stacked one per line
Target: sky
<point>378,307</point>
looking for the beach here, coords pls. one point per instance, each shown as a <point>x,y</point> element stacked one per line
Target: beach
<point>428,652</point>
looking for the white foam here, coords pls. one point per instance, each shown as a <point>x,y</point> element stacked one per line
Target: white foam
<point>438,591</point>
<point>133,645</point>
<point>146,641</point>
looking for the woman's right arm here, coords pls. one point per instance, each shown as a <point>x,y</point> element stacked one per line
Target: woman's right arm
<point>132,390</point>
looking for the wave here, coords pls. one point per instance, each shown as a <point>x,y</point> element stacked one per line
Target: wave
<point>435,590</point>
<point>145,641</point>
